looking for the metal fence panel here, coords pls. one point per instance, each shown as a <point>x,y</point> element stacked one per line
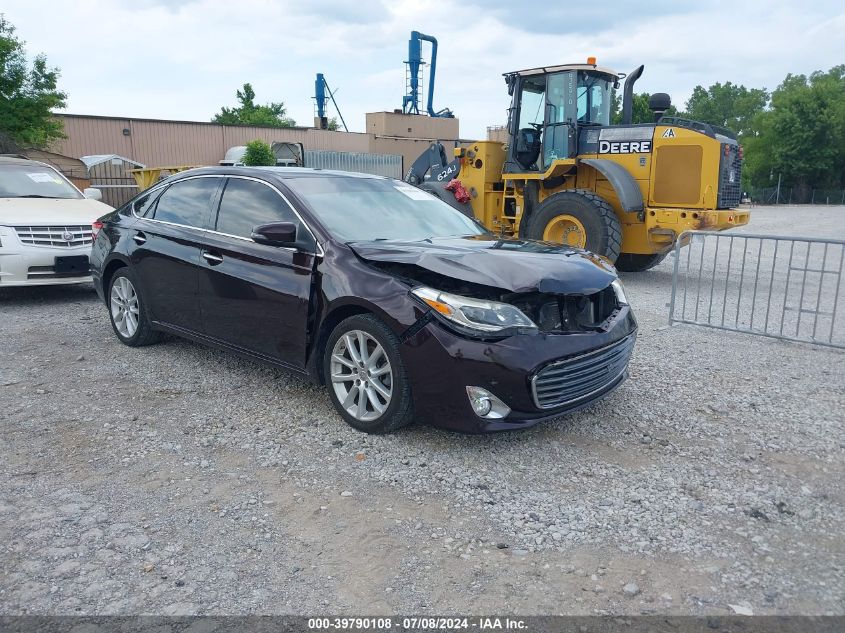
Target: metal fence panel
<point>777,286</point>
<point>389,165</point>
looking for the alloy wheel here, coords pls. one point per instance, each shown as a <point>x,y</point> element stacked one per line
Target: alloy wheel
<point>124,307</point>
<point>361,375</point>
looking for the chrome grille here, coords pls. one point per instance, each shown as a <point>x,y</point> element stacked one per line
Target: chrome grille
<point>56,236</point>
<point>568,381</point>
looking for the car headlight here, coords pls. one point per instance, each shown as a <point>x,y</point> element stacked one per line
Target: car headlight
<point>476,314</point>
<point>620,292</point>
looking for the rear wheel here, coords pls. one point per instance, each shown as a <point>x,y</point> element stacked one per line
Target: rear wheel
<point>580,219</point>
<point>634,263</point>
<point>128,313</point>
<point>365,375</point>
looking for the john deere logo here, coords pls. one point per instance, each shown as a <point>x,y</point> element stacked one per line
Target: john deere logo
<point>624,147</point>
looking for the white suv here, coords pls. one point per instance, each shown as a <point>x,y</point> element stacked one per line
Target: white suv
<point>45,225</point>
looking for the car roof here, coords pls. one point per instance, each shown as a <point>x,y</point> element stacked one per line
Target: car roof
<point>280,173</point>
<point>16,160</point>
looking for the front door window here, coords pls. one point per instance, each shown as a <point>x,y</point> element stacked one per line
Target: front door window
<point>532,99</point>
<point>249,203</point>
<point>561,104</point>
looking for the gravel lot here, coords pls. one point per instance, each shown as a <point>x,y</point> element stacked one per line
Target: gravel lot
<point>175,479</point>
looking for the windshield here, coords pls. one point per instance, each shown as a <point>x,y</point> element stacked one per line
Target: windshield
<point>358,209</point>
<point>34,181</point>
<point>593,99</point>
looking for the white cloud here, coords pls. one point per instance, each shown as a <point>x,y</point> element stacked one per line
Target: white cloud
<point>184,60</point>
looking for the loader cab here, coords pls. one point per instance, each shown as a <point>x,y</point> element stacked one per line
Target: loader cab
<point>548,107</point>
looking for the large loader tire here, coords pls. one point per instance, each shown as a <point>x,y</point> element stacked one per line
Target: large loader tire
<point>578,218</point>
<point>633,263</point>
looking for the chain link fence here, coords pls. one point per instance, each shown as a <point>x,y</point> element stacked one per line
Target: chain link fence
<point>795,195</point>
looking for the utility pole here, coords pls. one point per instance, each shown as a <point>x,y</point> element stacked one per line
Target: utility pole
<point>777,199</point>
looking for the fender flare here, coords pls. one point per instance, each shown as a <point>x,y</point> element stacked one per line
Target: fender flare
<point>623,183</point>
<point>108,263</point>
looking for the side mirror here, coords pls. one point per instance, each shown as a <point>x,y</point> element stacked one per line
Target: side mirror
<point>93,193</point>
<point>275,234</point>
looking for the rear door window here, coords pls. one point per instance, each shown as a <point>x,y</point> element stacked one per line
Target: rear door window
<point>248,203</point>
<point>187,202</point>
<point>143,206</point>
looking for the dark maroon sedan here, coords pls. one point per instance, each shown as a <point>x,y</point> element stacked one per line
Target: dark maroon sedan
<point>406,308</point>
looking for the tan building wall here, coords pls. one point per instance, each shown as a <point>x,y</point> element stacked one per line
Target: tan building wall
<point>167,143</point>
<point>412,125</point>
<point>409,148</point>
<point>497,133</point>
<point>409,134</point>
<point>157,143</point>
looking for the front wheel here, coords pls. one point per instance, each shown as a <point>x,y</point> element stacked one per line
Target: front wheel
<point>365,375</point>
<point>578,218</point>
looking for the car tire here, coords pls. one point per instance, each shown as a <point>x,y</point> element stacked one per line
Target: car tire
<point>633,263</point>
<point>578,213</point>
<point>127,311</point>
<point>351,376</point>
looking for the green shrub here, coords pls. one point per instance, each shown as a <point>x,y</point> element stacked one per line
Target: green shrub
<point>259,153</point>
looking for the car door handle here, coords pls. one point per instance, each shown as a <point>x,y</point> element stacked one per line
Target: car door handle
<point>211,258</point>
<point>140,238</point>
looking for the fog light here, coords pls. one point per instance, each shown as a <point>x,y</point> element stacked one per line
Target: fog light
<point>485,404</point>
<point>480,401</point>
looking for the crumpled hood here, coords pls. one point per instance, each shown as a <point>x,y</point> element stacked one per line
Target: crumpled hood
<point>509,264</point>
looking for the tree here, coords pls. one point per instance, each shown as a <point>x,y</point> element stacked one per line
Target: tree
<point>28,94</point>
<point>258,153</point>
<point>640,112</point>
<point>248,113</point>
<point>729,105</point>
<point>802,135</point>
<point>8,144</point>
<point>333,125</point>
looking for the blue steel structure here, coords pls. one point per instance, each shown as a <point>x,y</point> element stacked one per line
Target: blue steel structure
<point>411,101</point>
<point>321,87</point>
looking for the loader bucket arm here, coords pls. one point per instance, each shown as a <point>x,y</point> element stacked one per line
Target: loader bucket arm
<point>431,160</point>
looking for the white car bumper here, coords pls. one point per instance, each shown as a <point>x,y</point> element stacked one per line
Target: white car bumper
<point>28,256</point>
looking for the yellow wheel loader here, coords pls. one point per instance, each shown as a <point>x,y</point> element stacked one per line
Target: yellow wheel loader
<point>567,175</point>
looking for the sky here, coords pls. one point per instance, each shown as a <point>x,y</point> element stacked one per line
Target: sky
<point>184,59</point>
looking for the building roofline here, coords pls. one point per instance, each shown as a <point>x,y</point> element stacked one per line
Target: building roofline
<point>148,120</point>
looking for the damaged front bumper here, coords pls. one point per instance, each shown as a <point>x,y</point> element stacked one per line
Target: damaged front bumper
<point>441,364</point>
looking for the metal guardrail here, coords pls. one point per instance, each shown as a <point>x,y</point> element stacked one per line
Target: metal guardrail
<point>781,287</point>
